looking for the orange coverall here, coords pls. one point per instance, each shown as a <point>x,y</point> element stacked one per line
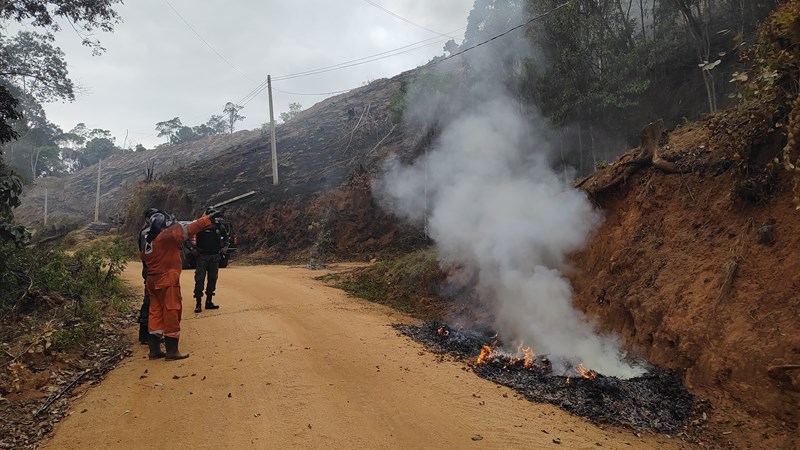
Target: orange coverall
<point>164,274</point>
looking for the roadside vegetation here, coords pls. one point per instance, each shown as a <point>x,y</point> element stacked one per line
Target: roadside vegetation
<point>408,283</point>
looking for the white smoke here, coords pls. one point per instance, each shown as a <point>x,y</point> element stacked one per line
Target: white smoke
<point>494,205</point>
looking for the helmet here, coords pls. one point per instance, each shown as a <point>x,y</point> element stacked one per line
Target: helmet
<point>149,212</point>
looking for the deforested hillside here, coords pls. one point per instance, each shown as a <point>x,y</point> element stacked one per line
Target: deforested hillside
<point>329,147</point>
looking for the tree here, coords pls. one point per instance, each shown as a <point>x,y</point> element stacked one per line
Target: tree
<point>31,62</point>
<point>217,124</point>
<point>85,16</point>
<point>50,76</point>
<point>294,110</point>
<point>169,128</point>
<point>186,134</point>
<point>232,115</point>
<point>97,149</point>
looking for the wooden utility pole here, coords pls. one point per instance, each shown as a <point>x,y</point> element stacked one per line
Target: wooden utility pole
<point>45,207</point>
<point>272,131</point>
<point>97,197</point>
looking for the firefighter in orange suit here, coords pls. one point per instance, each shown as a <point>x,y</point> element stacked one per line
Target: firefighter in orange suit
<point>162,257</point>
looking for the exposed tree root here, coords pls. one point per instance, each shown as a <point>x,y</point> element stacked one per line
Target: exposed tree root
<point>648,154</point>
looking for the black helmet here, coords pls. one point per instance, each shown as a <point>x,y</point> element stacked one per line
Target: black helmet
<point>150,212</point>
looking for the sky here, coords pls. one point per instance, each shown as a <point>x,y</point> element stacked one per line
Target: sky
<point>156,67</point>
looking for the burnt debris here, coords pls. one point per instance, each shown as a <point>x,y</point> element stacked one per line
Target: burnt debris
<point>655,401</point>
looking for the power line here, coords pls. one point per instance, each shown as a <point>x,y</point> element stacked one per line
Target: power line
<point>206,42</point>
<point>363,60</point>
<point>405,20</point>
<point>320,93</point>
<point>258,90</point>
<point>503,33</point>
<point>370,58</point>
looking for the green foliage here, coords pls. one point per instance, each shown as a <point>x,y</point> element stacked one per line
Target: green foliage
<point>397,105</point>
<point>10,191</point>
<point>774,59</point>
<point>231,114</point>
<point>98,266</point>
<point>32,59</point>
<point>169,128</point>
<point>90,276</point>
<point>84,16</point>
<point>409,283</point>
<point>81,332</point>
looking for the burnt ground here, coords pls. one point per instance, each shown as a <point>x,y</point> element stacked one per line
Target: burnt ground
<point>38,384</point>
<point>656,401</point>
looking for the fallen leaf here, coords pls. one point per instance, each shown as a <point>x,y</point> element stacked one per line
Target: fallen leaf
<point>477,437</point>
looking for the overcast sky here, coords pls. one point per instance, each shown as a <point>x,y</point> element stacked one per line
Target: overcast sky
<point>156,68</point>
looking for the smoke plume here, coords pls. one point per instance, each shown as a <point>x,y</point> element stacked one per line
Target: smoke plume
<point>494,206</point>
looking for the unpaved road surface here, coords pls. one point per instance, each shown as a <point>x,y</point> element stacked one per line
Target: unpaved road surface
<point>290,363</point>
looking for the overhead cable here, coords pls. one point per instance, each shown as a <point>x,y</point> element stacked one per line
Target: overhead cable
<point>503,33</point>
<point>406,20</point>
<point>206,42</point>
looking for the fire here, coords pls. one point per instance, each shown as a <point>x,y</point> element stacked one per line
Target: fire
<point>529,357</point>
<point>585,373</point>
<point>443,332</point>
<point>523,354</point>
<point>487,353</point>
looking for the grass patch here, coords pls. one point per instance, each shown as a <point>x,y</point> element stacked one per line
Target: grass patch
<point>409,283</point>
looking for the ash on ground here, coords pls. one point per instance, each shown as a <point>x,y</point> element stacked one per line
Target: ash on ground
<point>655,401</point>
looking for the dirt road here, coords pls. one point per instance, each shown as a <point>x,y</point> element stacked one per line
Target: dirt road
<point>290,363</point>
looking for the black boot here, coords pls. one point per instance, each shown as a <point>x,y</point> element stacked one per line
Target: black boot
<point>172,349</point>
<point>144,338</point>
<point>154,341</point>
<point>210,304</point>
<point>197,305</point>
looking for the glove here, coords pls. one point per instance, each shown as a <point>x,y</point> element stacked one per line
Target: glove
<point>214,213</point>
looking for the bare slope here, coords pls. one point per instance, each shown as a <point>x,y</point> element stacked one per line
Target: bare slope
<point>326,150</point>
<point>699,272</point>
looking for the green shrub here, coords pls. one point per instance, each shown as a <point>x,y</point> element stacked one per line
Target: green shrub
<point>409,283</point>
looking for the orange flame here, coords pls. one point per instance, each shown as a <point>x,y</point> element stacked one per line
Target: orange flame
<point>529,358</point>
<point>567,380</point>
<point>585,373</point>
<point>443,332</point>
<point>487,353</point>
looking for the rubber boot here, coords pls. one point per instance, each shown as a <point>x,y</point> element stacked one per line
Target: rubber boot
<point>144,335</point>
<point>172,349</point>
<point>197,305</point>
<point>210,304</point>
<point>154,341</point>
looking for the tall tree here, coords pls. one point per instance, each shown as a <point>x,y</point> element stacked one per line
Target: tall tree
<point>232,115</point>
<point>51,78</point>
<point>217,124</point>
<point>169,129</point>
